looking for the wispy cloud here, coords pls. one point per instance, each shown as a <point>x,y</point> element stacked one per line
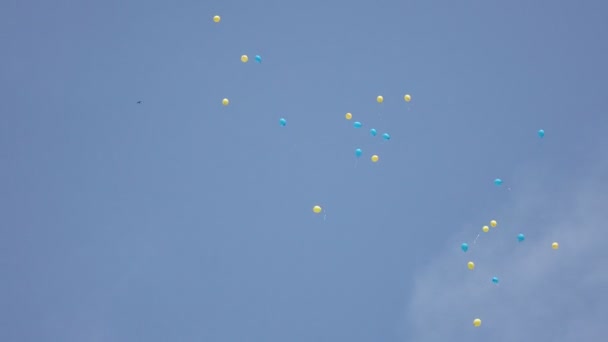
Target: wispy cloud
<point>544,294</point>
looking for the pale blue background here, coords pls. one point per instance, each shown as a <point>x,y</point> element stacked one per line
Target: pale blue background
<point>183,220</point>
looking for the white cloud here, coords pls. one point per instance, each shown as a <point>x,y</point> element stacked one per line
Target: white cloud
<point>544,295</point>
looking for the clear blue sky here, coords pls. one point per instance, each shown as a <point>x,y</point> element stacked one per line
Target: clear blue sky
<point>179,219</point>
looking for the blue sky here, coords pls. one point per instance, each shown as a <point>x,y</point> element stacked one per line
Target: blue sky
<point>179,219</point>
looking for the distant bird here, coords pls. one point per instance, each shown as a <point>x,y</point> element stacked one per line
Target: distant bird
<point>139,102</point>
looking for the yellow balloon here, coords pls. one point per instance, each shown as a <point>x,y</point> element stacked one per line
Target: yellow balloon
<point>485,229</point>
<point>476,322</point>
<point>471,265</point>
<point>225,102</point>
<point>348,116</point>
<point>493,223</point>
<point>375,158</point>
<point>407,98</point>
<point>380,99</point>
<point>555,245</point>
<point>316,209</point>
<point>244,58</point>
<point>217,18</point>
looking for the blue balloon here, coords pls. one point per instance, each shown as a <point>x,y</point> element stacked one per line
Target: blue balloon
<point>357,124</point>
<point>495,280</point>
<point>282,121</point>
<point>373,132</point>
<point>258,58</point>
<point>541,133</point>
<point>498,182</point>
<point>386,136</point>
<point>464,247</point>
<point>358,152</point>
<point>521,237</point>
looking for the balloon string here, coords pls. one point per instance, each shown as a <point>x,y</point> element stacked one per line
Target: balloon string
<point>475,241</point>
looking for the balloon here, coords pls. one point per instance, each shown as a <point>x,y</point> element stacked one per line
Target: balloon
<point>493,223</point>
<point>407,98</point>
<point>386,136</point>
<point>244,58</point>
<point>258,58</point>
<point>217,18</point>
<point>375,158</point>
<point>373,132</point>
<point>541,133</point>
<point>495,280</point>
<point>471,265</point>
<point>283,122</point>
<point>521,237</point>
<point>225,102</point>
<point>555,245</point>
<point>485,229</point>
<point>380,99</point>
<point>358,152</point>
<point>498,182</point>
<point>464,247</point>
<point>348,116</point>
<point>476,322</point>
<point>316,209</point>
<point>357,124</point>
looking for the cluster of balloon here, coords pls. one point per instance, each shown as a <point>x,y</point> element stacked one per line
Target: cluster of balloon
<point>374,158</point>
<point>471,265</point>
<point>373,132</point>
<point>245,58</point>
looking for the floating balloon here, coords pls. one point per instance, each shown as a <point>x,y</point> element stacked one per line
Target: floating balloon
<point>380,99</point>
<point>375,158</point>
<point>495,280</point>
<point>386,136</point>
<point>485,229</point>
<point>407,98</point>
<point>358,152</point>
<point>476,322</point>
<point>471,265</point>
<point>493,223</point>
<point>225,102</point>
<point>498,182</point>
<point>541,133</point>
<point>217,18</point>
<point>244,58</point>
<point>464,247</point>
<point>555,245</point>
<point>521,237</point>
<point>316,209</point>
<point>373,132</point>
<point>357,124</point>
<point>348,116</point>
<point>283,122</point>
<point>258,58</point>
